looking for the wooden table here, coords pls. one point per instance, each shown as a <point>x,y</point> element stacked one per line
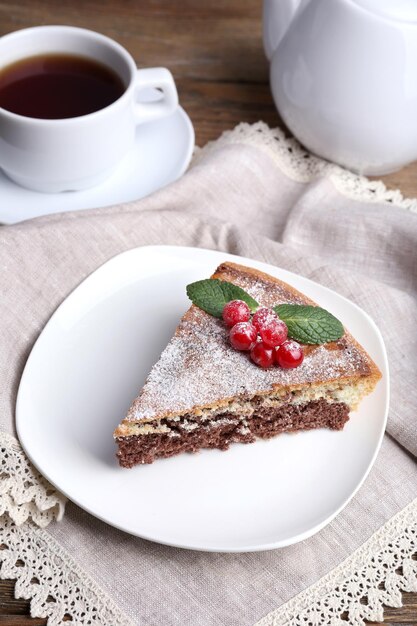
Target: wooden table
<point>214,49</point>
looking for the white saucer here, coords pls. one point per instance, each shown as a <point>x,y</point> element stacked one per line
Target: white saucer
<point>90,361</point>
<point>161,154</point>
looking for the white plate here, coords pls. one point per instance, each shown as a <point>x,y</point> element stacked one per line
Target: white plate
<point>161,154</point>
<point>90,361</point>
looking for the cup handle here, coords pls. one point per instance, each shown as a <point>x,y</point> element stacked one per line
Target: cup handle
<point>160,78</point>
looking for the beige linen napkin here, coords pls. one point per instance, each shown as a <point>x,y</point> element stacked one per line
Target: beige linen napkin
<point>256,194</point>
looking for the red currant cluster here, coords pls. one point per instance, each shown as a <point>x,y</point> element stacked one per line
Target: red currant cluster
<point>265,336</point>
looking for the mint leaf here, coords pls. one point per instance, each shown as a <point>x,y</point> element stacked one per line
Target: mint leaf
<point>212,294</point>
<point>309,324</point>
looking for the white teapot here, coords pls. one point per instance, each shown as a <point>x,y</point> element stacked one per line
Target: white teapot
<point>344,78</point>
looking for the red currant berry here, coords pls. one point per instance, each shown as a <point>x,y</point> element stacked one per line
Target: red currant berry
<point>263,317</point>
<point>262,355</point>
<point>243,336</point>
<point>236,311</point>
<point>290,354</point>
<point>274,333</point>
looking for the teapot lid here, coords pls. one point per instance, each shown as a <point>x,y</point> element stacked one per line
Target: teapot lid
<point>402,10</point>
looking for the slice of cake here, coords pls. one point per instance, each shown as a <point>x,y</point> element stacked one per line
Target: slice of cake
<point>202,393</point>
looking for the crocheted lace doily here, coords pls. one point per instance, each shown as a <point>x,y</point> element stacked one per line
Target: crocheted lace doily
<point>358,589</point>
<point>24,493</point>
<point>57,587</point>
<point>372,577</point>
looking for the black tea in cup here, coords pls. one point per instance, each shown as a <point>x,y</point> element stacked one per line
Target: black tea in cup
<point>58,86</point>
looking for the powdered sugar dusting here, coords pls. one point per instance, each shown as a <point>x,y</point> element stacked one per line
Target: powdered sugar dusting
<point>199,368</point>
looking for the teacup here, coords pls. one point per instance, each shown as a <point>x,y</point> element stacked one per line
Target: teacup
<point>53,155</point>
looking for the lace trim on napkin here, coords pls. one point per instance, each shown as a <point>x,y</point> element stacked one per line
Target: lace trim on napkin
<point>304,167</point>
<point>57,587</point>
<point>372,577</point>
<point>24,492</point>
<point>357,590</point>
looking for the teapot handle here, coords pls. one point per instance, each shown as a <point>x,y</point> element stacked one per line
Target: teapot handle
<point>277,16</point>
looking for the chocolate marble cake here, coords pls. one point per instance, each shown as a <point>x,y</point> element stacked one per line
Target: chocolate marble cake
<point>203,394</point>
